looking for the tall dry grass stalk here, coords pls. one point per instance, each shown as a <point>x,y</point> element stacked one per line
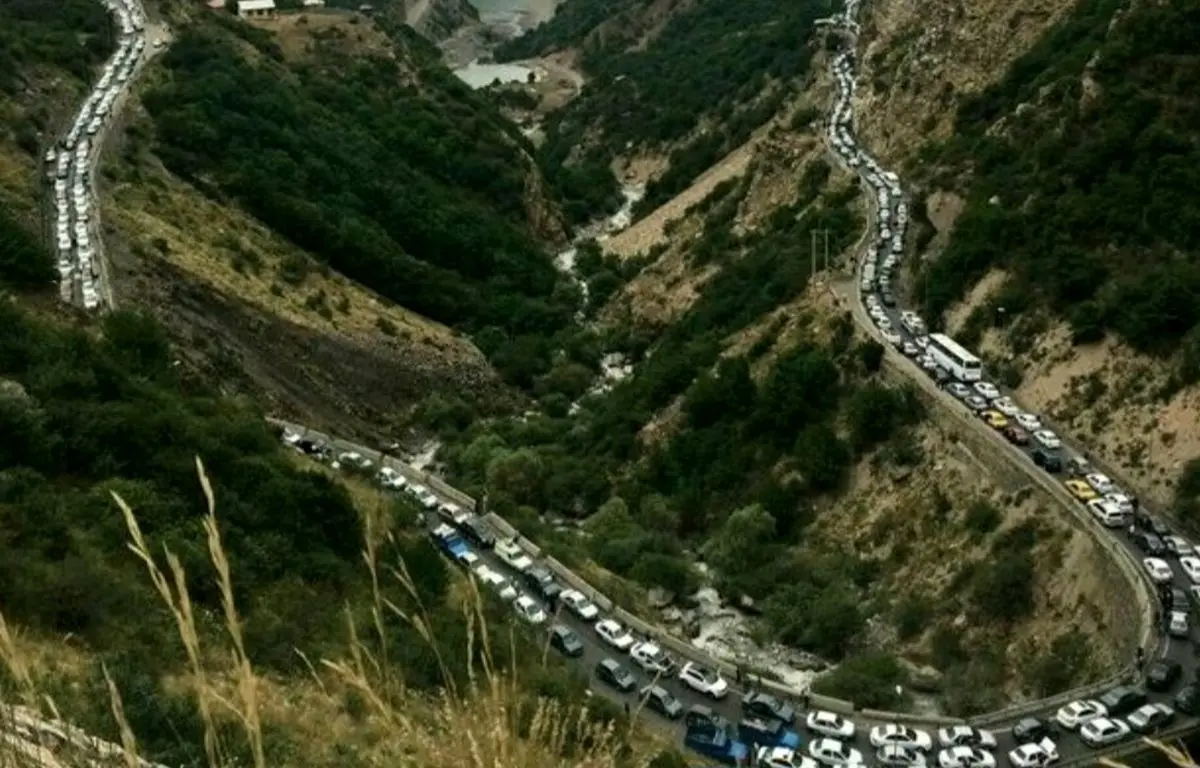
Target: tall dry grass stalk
<point>478,725</point>
<point>1175,751</point>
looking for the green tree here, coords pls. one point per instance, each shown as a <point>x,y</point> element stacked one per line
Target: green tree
<point>516,475</point>
<point>747,536</point>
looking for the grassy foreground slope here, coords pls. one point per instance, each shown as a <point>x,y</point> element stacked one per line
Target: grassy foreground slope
<point>392,656</point>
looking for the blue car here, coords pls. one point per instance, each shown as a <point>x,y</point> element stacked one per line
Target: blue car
<point>762,732</point>
<point>717,744</point>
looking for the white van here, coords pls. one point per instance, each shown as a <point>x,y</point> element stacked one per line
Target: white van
<point>1109,514</point>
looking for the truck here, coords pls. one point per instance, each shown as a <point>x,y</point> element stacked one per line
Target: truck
<point>762,732</point>
<point>716,743</point>
<point>452,544</point>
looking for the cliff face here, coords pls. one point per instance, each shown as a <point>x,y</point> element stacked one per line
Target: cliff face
<point>922,58</point>
<point>437,20</point>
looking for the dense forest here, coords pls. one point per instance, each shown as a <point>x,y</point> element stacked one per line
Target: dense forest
<point>1087,194</point>
<point>714,73</point>
<point>416,190</point>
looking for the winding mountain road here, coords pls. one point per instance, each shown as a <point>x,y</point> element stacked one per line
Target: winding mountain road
<point>880,254</point>
<point>886,241</point>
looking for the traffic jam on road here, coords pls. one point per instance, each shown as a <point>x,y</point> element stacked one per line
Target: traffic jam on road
<point>1171,562</point>
<point>744,726</point>
<point>737,725</point>
<point>70,163</point>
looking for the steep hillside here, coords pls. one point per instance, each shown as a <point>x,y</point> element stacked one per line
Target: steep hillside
<point>95,421</point>
<point>1059,208</point>
<point>313,205</point>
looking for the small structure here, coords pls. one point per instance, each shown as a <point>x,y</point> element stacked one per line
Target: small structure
<point>256,9</point>
<point>314,3</point>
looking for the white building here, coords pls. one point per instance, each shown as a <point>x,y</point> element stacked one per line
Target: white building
<point>255,9</point>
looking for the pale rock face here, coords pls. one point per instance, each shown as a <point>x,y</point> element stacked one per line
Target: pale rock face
<point>439,19</point>
<point>922,57</point>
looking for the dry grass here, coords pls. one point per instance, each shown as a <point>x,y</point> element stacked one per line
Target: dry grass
<point>351,34</point>
<point>490,721</point>
<point>230,251</point>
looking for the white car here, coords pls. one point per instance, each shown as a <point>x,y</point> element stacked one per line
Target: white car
<point>832,752</point>
<point>1178,546</point>
<point>614,634</point>
<point>1048,440</point>
<point>1107,513</point>
<point>899,756</point>
<point>1191,566</point>
<point>1160,572</point>
<point>496,581</point>
<point>1103,731</point>
<point>653,659</point>
<point>902,735</point>
<point>579,605</point>
<point>1122,502</point>
<point>829,724</point>
<point>704,680</point>
<point>987,390</point>
<point>1006,406</point>
<point>782,757</point>
<point>1078,712</point>
<point>1100,483</point>
<point>1177,625</point>
<point>1038,755</point>
<point>966,736</point>
<point>528,609</point>
<point>513,556</point>
<point>965,757</point>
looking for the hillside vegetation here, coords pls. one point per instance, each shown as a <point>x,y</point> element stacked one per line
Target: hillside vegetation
<point>384,166</point>
<point>666,78</point>
<point>278,581</point>
<point>757,434</point>
<point>275,580</point>
<point>1061,238</point>
<point>1092,179</point>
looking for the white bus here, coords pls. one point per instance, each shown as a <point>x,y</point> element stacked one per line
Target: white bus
<point>950,355</point>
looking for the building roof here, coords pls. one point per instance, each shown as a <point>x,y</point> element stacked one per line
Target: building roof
<point>256,5</point>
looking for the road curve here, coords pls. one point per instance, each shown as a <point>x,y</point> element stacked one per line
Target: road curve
<point>595,649</point>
